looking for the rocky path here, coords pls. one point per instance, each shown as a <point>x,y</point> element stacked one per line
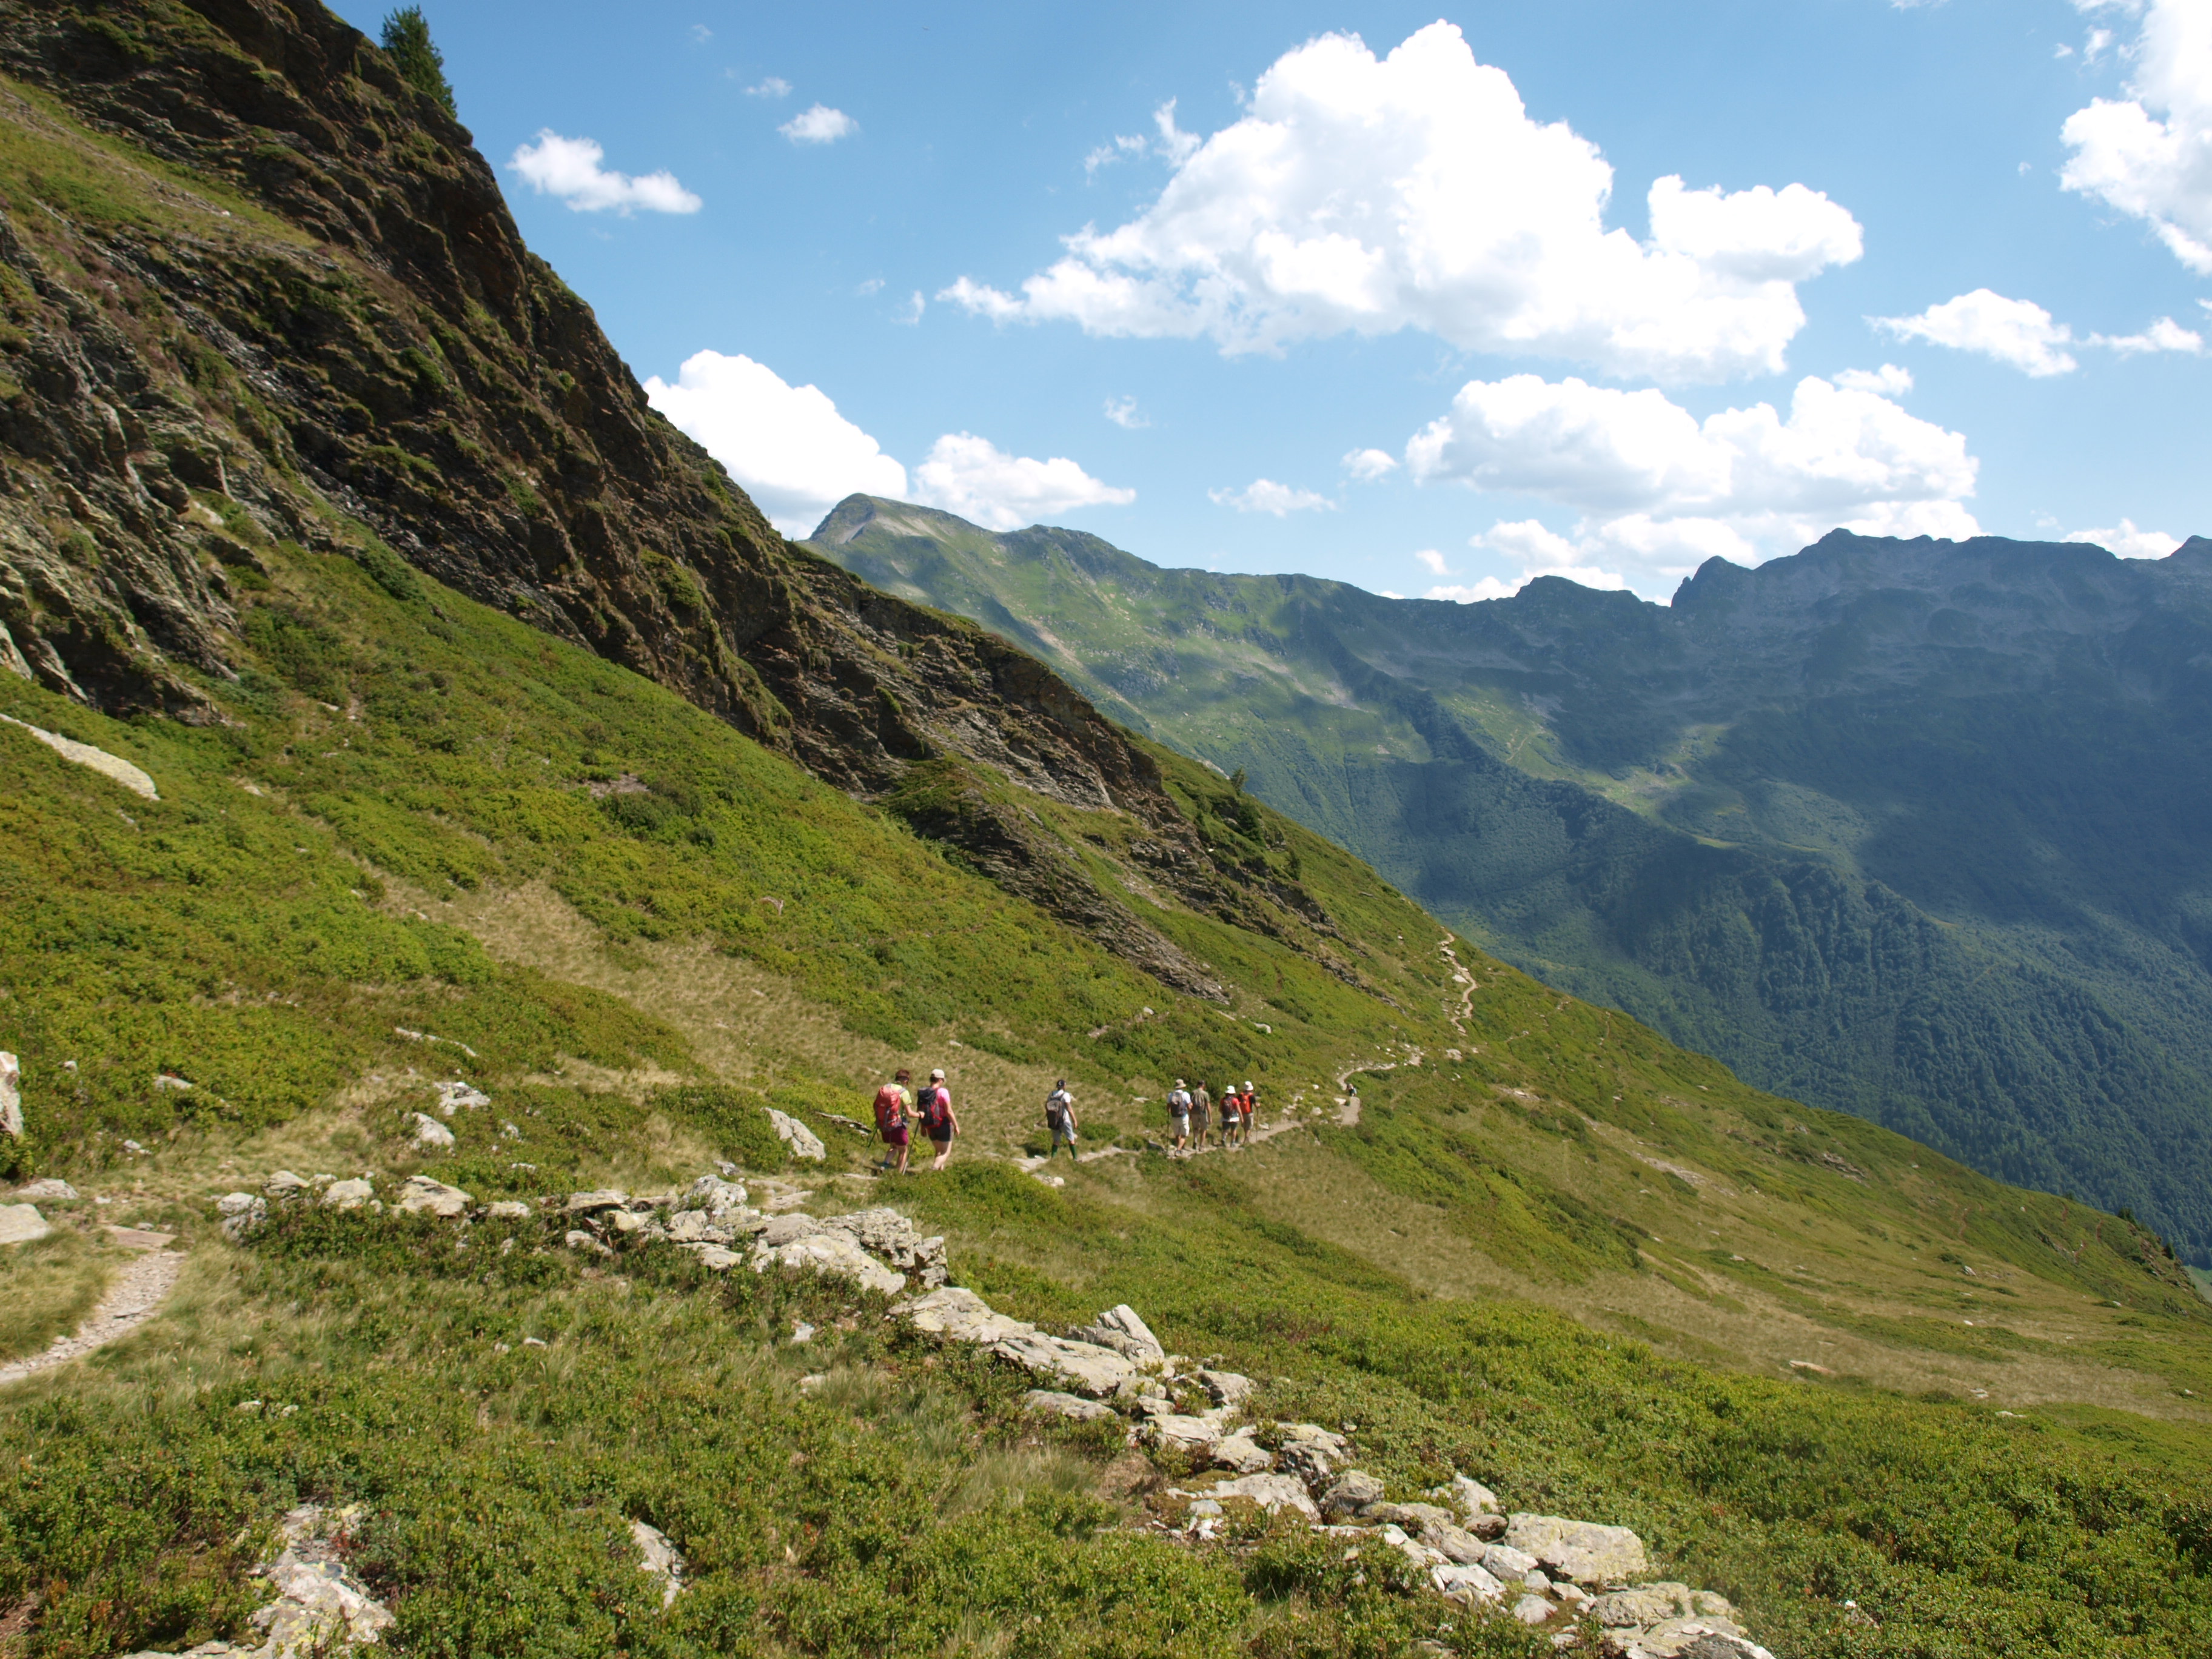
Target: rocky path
<point>136,1295</point>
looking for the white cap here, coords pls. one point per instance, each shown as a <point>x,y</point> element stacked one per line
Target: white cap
<point>1247,1083</point>
<point>938,1076</point>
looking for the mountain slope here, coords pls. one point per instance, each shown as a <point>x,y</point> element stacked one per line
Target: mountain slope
<point>1909,829</point>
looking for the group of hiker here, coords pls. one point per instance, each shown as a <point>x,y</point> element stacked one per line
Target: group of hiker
<point>899,1110</point>
<point>1191,1114</point>
<point>1194,1116</point>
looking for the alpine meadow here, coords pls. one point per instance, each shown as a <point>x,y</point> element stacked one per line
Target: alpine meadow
<point>467,876</point>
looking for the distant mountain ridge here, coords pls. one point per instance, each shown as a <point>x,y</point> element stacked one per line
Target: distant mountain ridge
<point>1911,828</point>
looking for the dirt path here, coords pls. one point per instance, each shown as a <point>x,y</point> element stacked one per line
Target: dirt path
<point>136,1295</point>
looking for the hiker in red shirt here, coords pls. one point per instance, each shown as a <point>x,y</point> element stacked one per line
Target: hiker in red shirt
<point>894,1106</point>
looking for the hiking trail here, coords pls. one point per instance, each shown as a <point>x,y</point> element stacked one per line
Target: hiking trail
<point>135,1296</point>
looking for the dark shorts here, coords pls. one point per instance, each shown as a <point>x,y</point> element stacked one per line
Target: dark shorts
<point>895,1137</point>
<point>940,1141</point>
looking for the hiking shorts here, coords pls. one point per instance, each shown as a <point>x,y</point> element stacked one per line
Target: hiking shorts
<point>895,1137</point>
<point>1180,1123</point>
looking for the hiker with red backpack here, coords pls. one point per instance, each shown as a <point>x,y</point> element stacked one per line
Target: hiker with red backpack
<point>894,1106</point>
<point>938,1121</point>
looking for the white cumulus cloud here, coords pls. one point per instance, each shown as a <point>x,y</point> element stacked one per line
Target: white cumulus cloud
<point>1266,496</point>
<point>1123,412</point>
<point>2130,543</point>
<point>1366,194</point>
<point>2022,334</point>
<point>1369,464</point>
<point>774,87</point>
<point>2018,332</point>
<point>1661,491</point>
<point>2164,334</point>
<point>788,445</point>
<point>1887,381</point>
<point>1433,560</point>
<point>569,169</point>
<point>973,477</point>
<point>818,125</point>
<point>2151,154</point>
<point>1539,551</point>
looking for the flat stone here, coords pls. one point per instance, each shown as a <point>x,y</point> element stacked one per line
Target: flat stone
<point>1466,1583</point>
<point>716,1256</point>
<point>1473,1498</point>
<point>1532,1610</point>
<point>48,1191</point>
<point>1351,1493</point>
<point>696,1226</point>
<point>826,1251</point>
<point>1088,1369</point>
<point>1241,1453</point>
<point>1580,1550</point>
<point>714,1196</point>
<point>896,1241</point>
<point>1416,1518</point>
<point>508,1209</point>
<point>1456,1543</point>
<point>422,1194</point>
<point>1646,1604</point>
<point>284,1184</point>
<point>1509,1563</point>
<point>1228,1390</point>
<point>348,1195</point>
<point>453,1095</point>
<point>960,1316</point>
<point>22,1223</point>
<point>1189,1434</point>
<point>1412,1548</point>
<point>1056,1404</point>
<point>1120,1329</point>
<point>603,1198</point>
<point>1698,1638</point>
<point>658,1556</point>
<point>428,1131</point>
<point>1270,1492</point>
<point>628,1221</point>
<point>786,1229</point>
<point>242,1213</point>
<point>139,1238</point>
<point>577,1239</point>
<point>802,1141</point>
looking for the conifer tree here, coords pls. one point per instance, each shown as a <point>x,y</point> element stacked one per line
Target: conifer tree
<point>407,37</point>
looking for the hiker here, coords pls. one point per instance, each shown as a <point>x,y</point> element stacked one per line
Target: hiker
<point>894,1106</point>
<point>1248,1106</point>
<point>1179,1114</point>
<point>1201,1115</point>
<point>938,1121</point>
<point>1059,1118</point>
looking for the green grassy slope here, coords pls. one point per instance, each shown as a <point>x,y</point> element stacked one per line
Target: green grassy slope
<point>311,880</point>
<point>1907,832</point>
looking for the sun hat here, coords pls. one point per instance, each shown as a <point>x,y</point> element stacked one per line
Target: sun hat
<point>938,1076</point>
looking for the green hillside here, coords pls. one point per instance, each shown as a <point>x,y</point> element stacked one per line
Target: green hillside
<point>525,820</point>
<point>1909,829</point>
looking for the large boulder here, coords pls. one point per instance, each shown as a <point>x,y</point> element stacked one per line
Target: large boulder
<point>428,1131</point>
<point>715,1195</point>
<point>1228,1390</point>
<point>20,1223</point>
<point>11,1096</point>
<point>1580,1550</point>
<point>1473,1498</point>
<point>52,1190</point>
<point>591,1203</point>
<point>658,1556</point>
<point>349,1194</point>
<point>1466,1583</point>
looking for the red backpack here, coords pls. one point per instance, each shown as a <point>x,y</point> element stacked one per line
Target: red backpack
<point>890,1107</point>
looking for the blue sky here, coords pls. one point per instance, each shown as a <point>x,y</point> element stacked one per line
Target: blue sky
<point>1358,316</point>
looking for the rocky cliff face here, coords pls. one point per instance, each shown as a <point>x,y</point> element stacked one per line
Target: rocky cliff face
<point>257,288</point>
